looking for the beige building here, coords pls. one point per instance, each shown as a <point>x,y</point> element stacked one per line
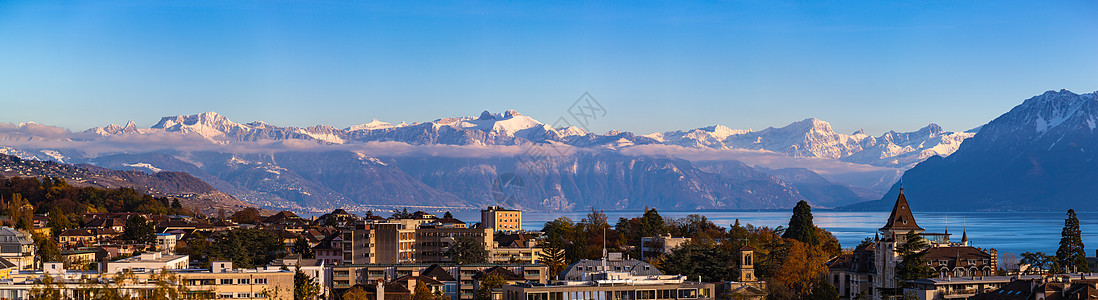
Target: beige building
<point>614,286</point>
<point>518,247</point>
<point>203,284</point>
<point>344,277</point>
<point>382,242</point>
<point>652,247</point>
<point>17,247</point>
<point>432,242</point>
<point>501,219</point>
<point>149,261</point>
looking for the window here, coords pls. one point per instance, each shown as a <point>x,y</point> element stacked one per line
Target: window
<point>648,294</point>
<point>226,281</point>
<point>242,281</point>
<point>688,293</point>
<point>261,281</point>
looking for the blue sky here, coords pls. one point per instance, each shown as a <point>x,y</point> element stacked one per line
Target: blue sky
<point>655,66</point>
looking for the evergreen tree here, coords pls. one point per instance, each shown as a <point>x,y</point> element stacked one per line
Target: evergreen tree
<point>305,288</point>
<point>468,251</point>
<point>487,285</point>
<point>448,215</point>
<point>1071,255</point>
<point>913,266</point>
<point>140,230</point>
<point>301,246</point>
<point>552,255</point>
<point>800,225</point>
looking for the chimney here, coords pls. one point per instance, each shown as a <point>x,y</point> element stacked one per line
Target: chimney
<point>380,290</point>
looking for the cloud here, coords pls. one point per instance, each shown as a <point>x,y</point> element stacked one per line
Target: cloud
<point>756,158</point>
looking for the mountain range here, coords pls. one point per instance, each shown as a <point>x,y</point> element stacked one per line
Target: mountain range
<point>498,158</point>
<point>192,192</point>
<point>1041,155</point>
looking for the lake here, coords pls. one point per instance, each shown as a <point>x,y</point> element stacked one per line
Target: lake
<point>1009,232</point>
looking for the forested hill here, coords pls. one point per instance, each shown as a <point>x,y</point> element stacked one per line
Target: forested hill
<point>192,192</point>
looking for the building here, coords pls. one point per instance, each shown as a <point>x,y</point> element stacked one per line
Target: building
<point>870,271</point>
<point>74,238</point>
<point>1069,286</point>
<point>461,277</point>
<point>500,219</point>
<point>434,239</point>
<point>201,283</point>
<point>149,261</point>
<point>17,247</point>
<point>583,269</point>
<point>79,259</point>
<point>652,247</point>
<point>613,286</point>
<point>380,242</point>
<point>165,242</point>
<point>516,247</point>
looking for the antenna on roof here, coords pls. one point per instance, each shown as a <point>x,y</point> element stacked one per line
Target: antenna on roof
<point>901,176</point>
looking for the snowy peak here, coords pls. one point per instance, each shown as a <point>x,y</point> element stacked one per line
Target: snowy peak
<point>375,124</point>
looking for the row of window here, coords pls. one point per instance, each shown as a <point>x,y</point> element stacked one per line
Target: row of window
<point>616,295</point>
<point>240,295</point>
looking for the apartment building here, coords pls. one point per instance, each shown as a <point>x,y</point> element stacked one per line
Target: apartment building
<point>343,277</point>
<point>220,282</point>
<point>17,247</point>
<point>387,242</point>
<point>613,286</point>
<point>432,241</point>
<point>501,219</point>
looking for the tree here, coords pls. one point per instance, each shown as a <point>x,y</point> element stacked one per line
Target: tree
<point>48,251</point>
<point>487,285</point>
<point>168,286</point>
<point>737,234</point>
<point>802,270</point>
<point>701,259</point>
<point>1071,255</point>
<point>468,251</point>
<point>357,293</point>
<point>247,248</point>
<point>246,216</point>
<point>58,221</point>
<point>800,225</point>
<point>824,291</point>
<point>421,292</point>
<point>21,211</point>
<point>912,266</point>
<point>47,289</point>
<point>552,255</point>
<point>1037,261</point>
<point>139,229</point>
<point>305,287</point>
<point>301,246</point>
<point>448,215</point>
<point>401,214</point>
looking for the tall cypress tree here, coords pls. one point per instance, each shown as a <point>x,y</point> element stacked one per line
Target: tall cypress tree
<point>1072,256</point>
<point>800,225</point>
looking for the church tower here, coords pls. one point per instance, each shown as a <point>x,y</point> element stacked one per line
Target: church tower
<point>900,223</point>
<point>747,264</point>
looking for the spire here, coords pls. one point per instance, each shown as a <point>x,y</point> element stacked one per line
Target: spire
<point>964,238</point>
<point>901,217</point>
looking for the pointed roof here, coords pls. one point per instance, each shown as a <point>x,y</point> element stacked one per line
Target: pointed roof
<point>901,217</point>
<point>964,237</point>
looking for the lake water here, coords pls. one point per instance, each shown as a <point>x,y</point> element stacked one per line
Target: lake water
<point>1009,232</point>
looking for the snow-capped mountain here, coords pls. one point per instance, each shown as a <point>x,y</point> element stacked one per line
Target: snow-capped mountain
<point>1041,155</point>
<point>596,175</point>
<point>815,138</point>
